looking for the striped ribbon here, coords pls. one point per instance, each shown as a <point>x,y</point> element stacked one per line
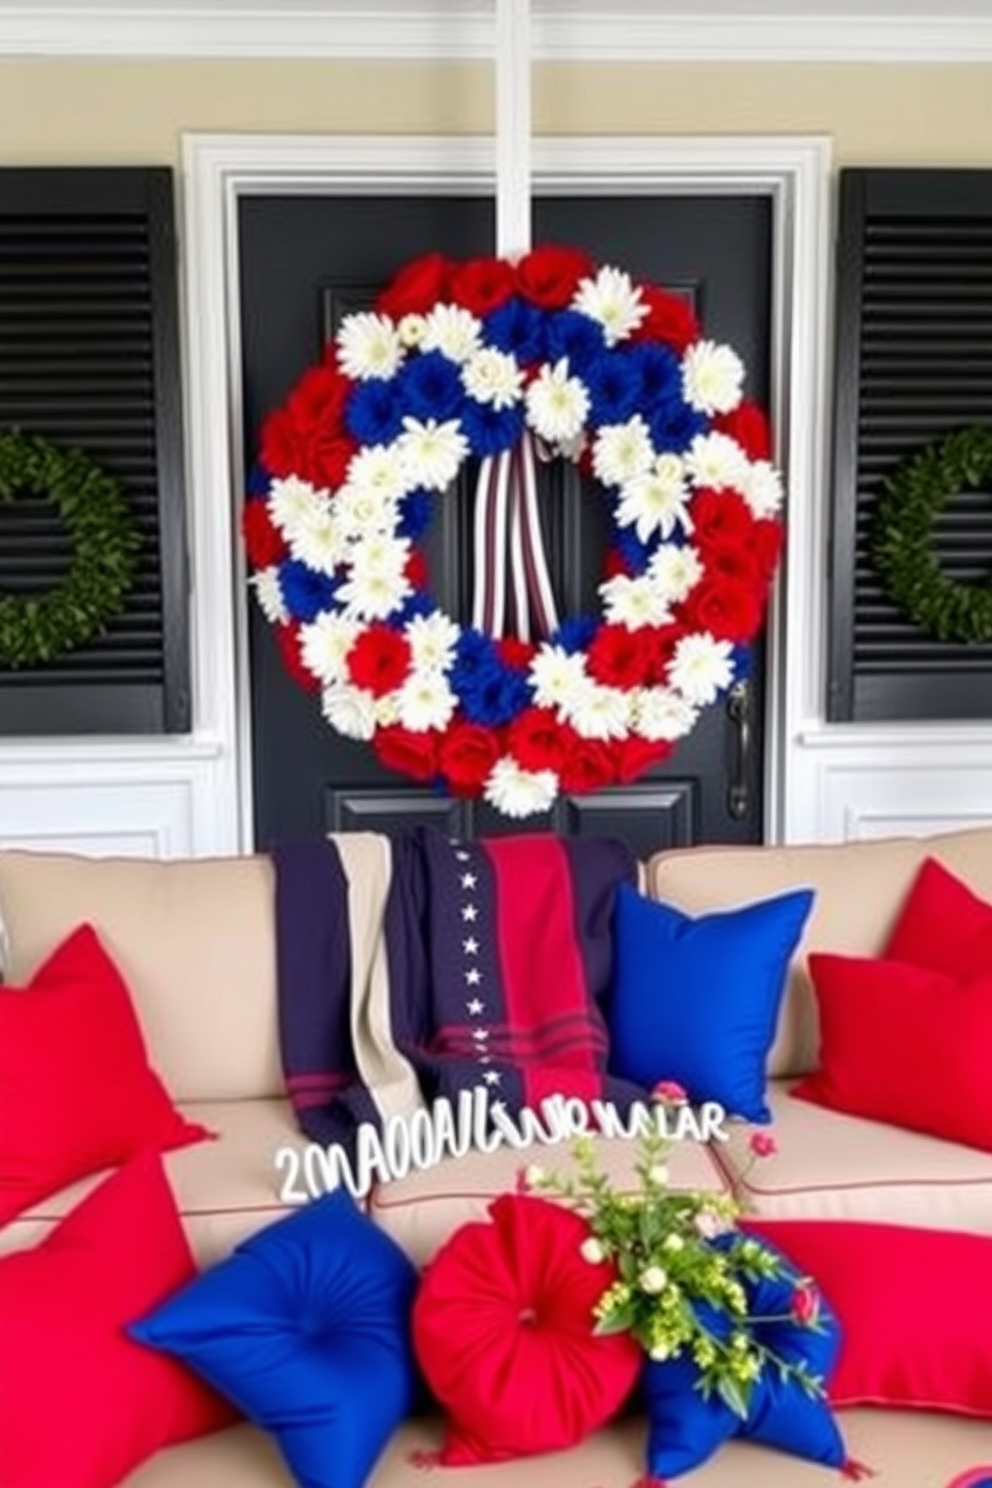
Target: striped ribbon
<point>508,536</point>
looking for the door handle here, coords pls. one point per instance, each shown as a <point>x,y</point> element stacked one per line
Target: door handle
<point>739,713</point>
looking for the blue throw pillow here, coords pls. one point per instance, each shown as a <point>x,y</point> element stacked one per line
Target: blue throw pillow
<point>684,1429</point>
<point>306,1328</point>
<point>697,1000</point>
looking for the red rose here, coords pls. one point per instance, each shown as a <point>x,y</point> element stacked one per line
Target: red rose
<point>742,564</point>
<point>468,753</point>
<point>729,609</point>
<point>620,657</point>
<point>280,446</point>
<point>747,424</point>
<point>721,519</point>
<point>633,756</point>
<point>670,319</point>
<point>406,752</point>
<point>549,276</point>
<point>263,542</point>
<point>325,459</point>
<point>288,640</point>
<point>537,740</point>
<point>766,539</point>
<point>659,642</point>
<point>516,653</point>
<point>587,764</point>
<point>482,284</point>
<point>417,288</point>
<point>318,400</point>
<point>415,570</point>
<point>379,659</point>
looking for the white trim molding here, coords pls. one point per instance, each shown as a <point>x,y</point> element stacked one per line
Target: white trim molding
<point>449,30</point>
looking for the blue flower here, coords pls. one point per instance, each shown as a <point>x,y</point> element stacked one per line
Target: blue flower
<point>305,592</point>
<point>417,603</point>
<point>659,372</point>
<point>489,430</point>
<point>474,655</point>
<point>496,696</point>
<point>575,633</point>
<point>431,387</point>
<point>416,514</point>
<point>518,328</point>
<point>674,425</point>
<point>636,554</point>
<point>614,386</point>
<point>575,336</point>
<point>259,481</point>
<point>374,412</point>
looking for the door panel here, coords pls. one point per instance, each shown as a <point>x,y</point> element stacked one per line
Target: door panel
<point>307,261</point>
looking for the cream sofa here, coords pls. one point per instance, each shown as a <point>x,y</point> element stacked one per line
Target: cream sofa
<point>195,940</point>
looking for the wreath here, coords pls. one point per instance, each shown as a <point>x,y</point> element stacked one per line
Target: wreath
<point>903,547</point>
<point>40,627</point>
<point>508,365</point>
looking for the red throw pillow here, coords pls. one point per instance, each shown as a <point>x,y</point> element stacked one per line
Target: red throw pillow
<point>80,1404</point>
<point>503,1330</point>
<point>77,1093</point>
<point>903,1045</point>
<point>943,925</point>
<point>914,1308</point>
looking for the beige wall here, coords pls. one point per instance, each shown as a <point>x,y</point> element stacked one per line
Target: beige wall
<point>116,112</point>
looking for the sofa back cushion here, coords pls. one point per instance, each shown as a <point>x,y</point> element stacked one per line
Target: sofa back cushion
<point>194,941</point>
<point>860,887</point>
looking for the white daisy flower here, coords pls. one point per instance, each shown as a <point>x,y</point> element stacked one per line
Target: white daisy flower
<point>622,452</point>
<point>317,541</point>
<point>555,674</point>
<point>452,330</point>
<point>761,488</point>
<point>291,501</point>
<point>363,514</point>
<point>518,793</point>
<point>656,501</point>
<point>378,471</point>
<point>268,592</point>
<point>634,602</point>
<point>373,596</point>
<point>701,668</point>
<point>660,713</point>
<point>324,646</point>
<point>598,712</point>
<point>492,376</point>
<point>557,404</point>
<point>712,376</point>
<point>425,701</point>
<point>412,329</point>
<point>432,453</point>
<point>611,299</point>
<point>380,555</point>
<point>368,345</point>
<point>432,640</point>
<point>350,710</point>
<point>387,709</point>
<point>716,461</point>
<point>675,571</point>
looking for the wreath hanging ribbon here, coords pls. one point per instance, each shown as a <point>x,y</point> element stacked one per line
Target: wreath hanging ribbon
<point>510,364</point>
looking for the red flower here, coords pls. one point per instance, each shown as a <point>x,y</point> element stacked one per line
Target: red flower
<point>516,653</point>
<point>536,740</point>
<point>409,753</point>
<point>670,319</point>
<point>741,564</point>
<point>318,400</point>
<point>634,756</point>
<point>288,641</point>
<point>748,424</point>
<point>415,571</point>
<point>587,764</point>
<point>482,284</point>
<point>549,276</point>
<point>417,287</point>
<point>766,539</point>
<point>326,459</point>
<point>620,657</point>
<point>660,642</point>
<point>721,519</point>
<point>729,609</point>
<point>263,542</point>
<point>805,1304</point>
<point>763,1144</point>
<point>280,445</point>
<point>468,753</point>
<point>379,659</point>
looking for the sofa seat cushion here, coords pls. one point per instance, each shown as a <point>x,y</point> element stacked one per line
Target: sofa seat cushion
<point>225,1190</point>
<point>422,1210</point>
<point>908,1449</point>
<point>830,1166</point>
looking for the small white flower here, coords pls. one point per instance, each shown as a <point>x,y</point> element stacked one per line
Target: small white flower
<point>761,488</point>
<point>534,1175</point>
<point>373,596</point>
<point>378,471</point>
<point>716,461</point>
<point>387,709</point>
<point>432,639</point>
<point>622,452</point>
<point>291,501</point>
<point>673,1242</point>
<point>597,712</point>
<point>660,713</point>
<point>412,330</point>
<point>675,571</point>
<point>701,668</point>
<point>350,710</point>
<point>324,646</point>
<point>317,541</point>
<point>557,404</point>
<point>613,301</point>
<point>453,331</point>
<point>268,592</point>
<point>653,1280</point>
<point>712,376</point>
<point>432,453</point>
<point>368,345</point>
<point>656,500</point>
<point>592,1251</point>
<point>555,674</point>
<point>659,1174</point>
<point>634,602</point>
<point>425,701</point>
<point>518,793</point>
<point>492,376</point>
<point>659,1352</point>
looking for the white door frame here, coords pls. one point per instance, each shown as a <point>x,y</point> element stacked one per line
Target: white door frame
<point>794,172</point>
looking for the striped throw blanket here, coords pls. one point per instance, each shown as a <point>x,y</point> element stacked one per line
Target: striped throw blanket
<point>413,967</point>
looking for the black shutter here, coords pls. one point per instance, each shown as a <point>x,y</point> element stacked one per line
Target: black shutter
<point>89,359</point>
<point>914,361</point>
